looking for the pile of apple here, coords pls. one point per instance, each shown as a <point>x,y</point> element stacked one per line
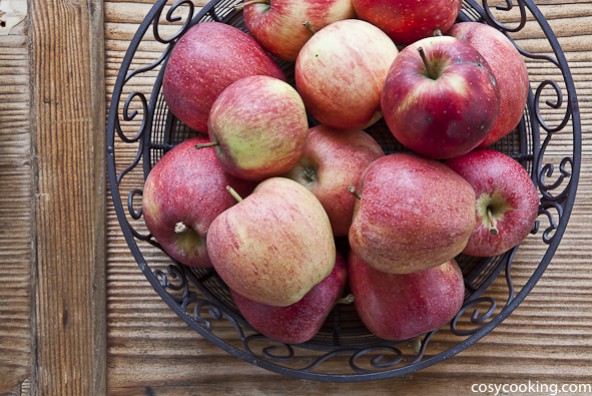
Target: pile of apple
<point>283,170</point>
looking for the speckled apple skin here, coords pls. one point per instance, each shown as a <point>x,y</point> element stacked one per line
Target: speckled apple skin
<point>340,73</point>
<point>261,126</point>
<point>301,321</point>
<point>279,27</point>
<point>509,70</point>
<point>275,245</point>
<point>490,171</point>
<point>414,213</point>
<point>446,117</point>
<point>187,185</point>
<point>337,160</point>
<point>208,58</point>
<point>407,21</point>
<point>399,307</point>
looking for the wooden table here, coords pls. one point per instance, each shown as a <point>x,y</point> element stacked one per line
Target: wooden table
<point>78,318</point>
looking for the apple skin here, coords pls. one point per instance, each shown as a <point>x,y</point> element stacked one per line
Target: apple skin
<point>445,117</point>
<point>407,21</point>
<point>509,70</point>
<point>187,186</point>
<point>504,186</point>
<point>275,245</point>
<point>260,125</point>
<point>332,161</point>
<point>414,213</point>
<point>278,24</point>
<point>340,73</point>
<point>301,321</point>
<point>207,59</point>
<point>399,307</point>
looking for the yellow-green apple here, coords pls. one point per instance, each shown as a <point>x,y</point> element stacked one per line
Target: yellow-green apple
<point>440,97</point>
<point>332,161</point>
<point>206,59</point>
<point>340,73</point>
<point>284,26</point>
<point>509,70</point>
<point>402,306</point>
<point>183,193</point>
<point>413,213</point>
<point>301,321</point>
<point>407,21</point>
<point>507,201</point>
<point>259,127</point>
<point>275,245</point>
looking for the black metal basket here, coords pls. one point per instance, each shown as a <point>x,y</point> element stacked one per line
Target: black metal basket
<point>547,143</point>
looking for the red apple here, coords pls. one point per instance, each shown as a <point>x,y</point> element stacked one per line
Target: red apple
<point>340,73</point>
<point>275,245</point>
<point>509,70</point>
<point>259,127</point>
<point>279,25</point>
<point>407,21</point>
<point>332,161</point>
<point>301,321</point>
<point>399,307</point>
<point>414,213</point>
<point>207,59</point>
<point>444,105</point>
<point>183,193</point>
<point>507,201</point>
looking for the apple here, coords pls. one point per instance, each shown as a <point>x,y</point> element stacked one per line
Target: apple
<point>340,73</point>
<point>301,321</point>
<point>284,26</point>
<point>207,59</point>
<point>402,306</point>
<point>258,126</point>
<point>406,21</point>
<point>440,97</point>
<point>507,201</point>
<point>332,161</point>
<point>413,213</point>
<point>509,70</point>
<point>275,245</point>
<point>183,193</point>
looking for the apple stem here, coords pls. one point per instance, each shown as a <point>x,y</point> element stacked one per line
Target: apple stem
<point>431,73</point>
<point>180,228</point>
<point>208,144</point>
<point>234,194</point>
<point>309,27</point>
<point>353,191</point>
<point>437,32</point>
<point>492,223</point>
<point>345,300</point>
<point>248,3</point>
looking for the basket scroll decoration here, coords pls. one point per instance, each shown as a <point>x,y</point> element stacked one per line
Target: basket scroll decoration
<point>547,143</point>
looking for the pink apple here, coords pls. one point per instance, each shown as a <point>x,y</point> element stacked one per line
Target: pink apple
<point>332,161</point>
<point>208,58</point>
<point>507,201</point>
<point>183,193</point>
<point>414,213</point>
<point>301,321</point>
<point>275,245</point>
<point>259,127</point>
<point>407,21</point>
<point>444,105</point>
<point>340,73</point>
<point>279,25</point>
<point>399,307</point>
<point>509,70</point>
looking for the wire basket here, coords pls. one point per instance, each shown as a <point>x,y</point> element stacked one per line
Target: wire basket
<point>547,143</point>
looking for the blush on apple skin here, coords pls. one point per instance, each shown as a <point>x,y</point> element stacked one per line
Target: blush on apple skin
<point>183,193</point>
<point>301,321</point>
<point>207,59</point>
<point>399,307</point>
<point>443,116</point>
<point>504,187</point>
